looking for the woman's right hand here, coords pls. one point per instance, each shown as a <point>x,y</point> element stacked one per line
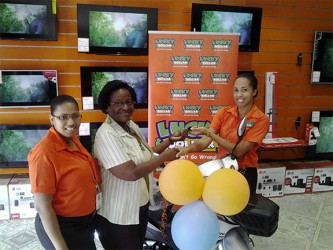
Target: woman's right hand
<point>170,154</point>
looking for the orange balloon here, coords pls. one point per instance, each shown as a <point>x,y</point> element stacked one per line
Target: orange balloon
<point>226,192</point>
<point>181,182</point>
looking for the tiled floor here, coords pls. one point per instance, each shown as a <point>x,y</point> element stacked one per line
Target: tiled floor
<point>306,223</point>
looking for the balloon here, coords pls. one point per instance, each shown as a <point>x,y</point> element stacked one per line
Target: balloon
<point>181,182</point>
<point>226,192</point>
<point>195,227</point>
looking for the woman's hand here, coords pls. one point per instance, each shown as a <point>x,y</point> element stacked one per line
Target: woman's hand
<point>200,131</point>
<point>171,154</point>
<point>178,136</point>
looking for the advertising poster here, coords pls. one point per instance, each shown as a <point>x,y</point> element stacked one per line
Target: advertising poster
<point>191,76</point>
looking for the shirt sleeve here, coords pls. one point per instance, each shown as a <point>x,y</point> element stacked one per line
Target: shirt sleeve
<point>41,172</point>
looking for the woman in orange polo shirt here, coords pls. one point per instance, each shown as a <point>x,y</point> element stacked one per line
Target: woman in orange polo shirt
<point>64,180</point>
<point>223,129</point>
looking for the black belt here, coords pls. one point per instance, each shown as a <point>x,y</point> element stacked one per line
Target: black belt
<point>86,219</point>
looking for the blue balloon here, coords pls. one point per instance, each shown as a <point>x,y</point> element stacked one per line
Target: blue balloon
<point>195,227</point>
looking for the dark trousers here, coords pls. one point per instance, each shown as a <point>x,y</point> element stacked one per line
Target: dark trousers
<point>251,176</point>
<point>114,236</point>
<point>78,232</point>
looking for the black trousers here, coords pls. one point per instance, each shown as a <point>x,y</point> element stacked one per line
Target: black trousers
<point>251,175</point>
<point>114,236</point>
<point>78,232</point>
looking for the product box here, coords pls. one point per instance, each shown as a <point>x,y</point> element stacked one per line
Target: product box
<point>4,199</point>
<point>271,179</point>
<point>298,179</point>
<point>21,199</point>
<point>322,176</point>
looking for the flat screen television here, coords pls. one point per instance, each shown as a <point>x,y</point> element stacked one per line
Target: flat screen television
<point>28,19</point>
<point>27,88</point>
<point>229,19</point>
<point>322,58</point>
<point>118,30</point>
<point>93,79</point>
<point>324,146</point>
<point>88,140</point>
<point>16,141</point>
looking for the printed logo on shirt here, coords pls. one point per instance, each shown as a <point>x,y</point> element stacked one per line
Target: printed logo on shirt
<point>249,124</point>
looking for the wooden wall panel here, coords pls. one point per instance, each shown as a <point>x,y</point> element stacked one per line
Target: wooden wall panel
<point>287,29</point>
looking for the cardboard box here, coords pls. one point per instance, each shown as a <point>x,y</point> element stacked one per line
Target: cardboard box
<point>322,176</point>
<point>4,198</point>
<point>271,179</point>
<point>21,199</point>
<point>298,179</point>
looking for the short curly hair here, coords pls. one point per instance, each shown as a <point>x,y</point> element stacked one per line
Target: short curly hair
<point>109,88</point>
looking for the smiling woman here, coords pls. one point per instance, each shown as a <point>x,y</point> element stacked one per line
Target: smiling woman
<point>223,129</point>
<point>61,170</point>
<point>126,163</point>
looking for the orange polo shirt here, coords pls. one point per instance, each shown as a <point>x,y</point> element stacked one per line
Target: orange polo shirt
<point>226,122</point>
<point>69,175</point>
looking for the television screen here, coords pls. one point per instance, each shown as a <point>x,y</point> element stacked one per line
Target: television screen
<point>88,141</point>
<point>322,58</point>
<point>16,141</point>
<point>93,80</point>
<point>324,147</point>
<point>31,20</point>
<point>27,88</point>
<point>114,29</point>
<point>229,19</point>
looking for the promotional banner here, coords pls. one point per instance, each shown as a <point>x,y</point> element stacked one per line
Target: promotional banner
<point>191,76</point>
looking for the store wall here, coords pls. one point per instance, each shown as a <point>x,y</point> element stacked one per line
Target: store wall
<point>287,29</point>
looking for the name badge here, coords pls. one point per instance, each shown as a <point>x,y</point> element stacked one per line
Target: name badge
<point>98,199</point>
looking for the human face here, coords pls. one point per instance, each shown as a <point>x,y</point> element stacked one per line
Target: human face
<point>121,114</point>
<point>69,126</point>
<point>243,92</point>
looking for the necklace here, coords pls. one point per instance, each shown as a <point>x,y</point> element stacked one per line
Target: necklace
<point>129,131</point>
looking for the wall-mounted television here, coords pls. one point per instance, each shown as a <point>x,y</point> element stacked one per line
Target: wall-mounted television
<point>28,19</point>
<point>322,58</point>
<point>88,140</point>
<point>93,79</point>
<point>323,149</point>
<point>229,19</point>
<point>16,141</point>
<point>118,30</point>
<point>27,88</point>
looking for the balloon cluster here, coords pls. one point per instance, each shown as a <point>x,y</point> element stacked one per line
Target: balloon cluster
<point>195,225</point>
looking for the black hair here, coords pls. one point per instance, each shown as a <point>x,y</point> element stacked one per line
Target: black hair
<point>61,99</point>
<point>253,81</point>
<point>109,89</point>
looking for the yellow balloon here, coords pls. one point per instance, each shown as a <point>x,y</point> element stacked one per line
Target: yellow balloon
<point>226,192</point>
<point>181,182</point>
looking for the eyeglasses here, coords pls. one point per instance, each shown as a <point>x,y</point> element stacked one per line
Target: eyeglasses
<point>74,116</point>
<point>120,104</point>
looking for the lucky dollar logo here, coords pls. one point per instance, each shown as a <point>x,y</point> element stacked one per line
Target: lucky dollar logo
<point>209,61</point>
<point>180,60</point>
<point>196,44</point>
<point>164,77</point>
<point>207,94</point>
<point>164,43</point>
<point>192,77</point>
<point>219,78</point>
<point>179,94</point>
<point>163,109</point>
<point>221,44</point>
<point>191,110</point>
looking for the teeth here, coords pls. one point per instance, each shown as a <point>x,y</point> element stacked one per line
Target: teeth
<point>70,129</point>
